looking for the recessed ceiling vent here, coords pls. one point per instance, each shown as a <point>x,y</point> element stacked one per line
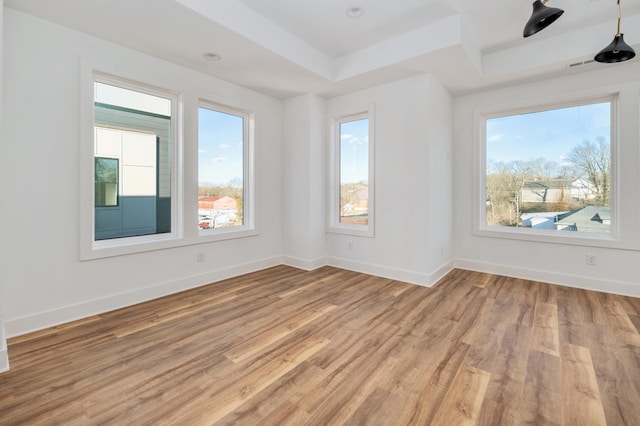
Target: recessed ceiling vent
<point>578,64</point>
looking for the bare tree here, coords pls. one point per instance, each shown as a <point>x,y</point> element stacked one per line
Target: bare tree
<point>594,160</point>
<point>543,169</point>
<point>504,191</point>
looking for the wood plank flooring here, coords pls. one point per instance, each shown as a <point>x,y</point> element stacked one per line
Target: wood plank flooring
<point>332,347</point>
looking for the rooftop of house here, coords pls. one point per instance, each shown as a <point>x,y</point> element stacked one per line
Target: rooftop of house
<point>589,219</point>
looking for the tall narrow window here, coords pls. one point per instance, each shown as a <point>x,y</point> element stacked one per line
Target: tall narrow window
<point>106,182</point>
<point>550,169</point>
<point>352,183</point>
<point>354,171</point>
<point>133,162</point>
<point>223,148</point>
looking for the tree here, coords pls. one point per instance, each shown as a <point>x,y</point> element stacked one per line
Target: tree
<point>504,188</point>
<point>593,159</point>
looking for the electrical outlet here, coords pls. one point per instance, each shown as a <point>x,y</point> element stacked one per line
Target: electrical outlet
<point>591,259</point>
<point>200,257</point>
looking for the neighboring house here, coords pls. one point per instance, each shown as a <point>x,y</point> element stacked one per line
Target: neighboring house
<point>209,202</point>
<point>582,189</point>
<point>357,209</point>
<point>358,202</point>
<point>557,190</point>
<point>216,211</point>
<point>542,220</point>
<point>553,191</point>
<point>588,219</point>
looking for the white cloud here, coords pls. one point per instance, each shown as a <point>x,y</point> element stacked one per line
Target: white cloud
<point>358,141</point>
<point>495,138</point>
<point>219,159</point>
<point>224,146</point>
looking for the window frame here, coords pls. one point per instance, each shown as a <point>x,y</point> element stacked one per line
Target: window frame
<point>90,248</point>
<point>248,227</point>
<point>480,226</point>
<point>334,225</point>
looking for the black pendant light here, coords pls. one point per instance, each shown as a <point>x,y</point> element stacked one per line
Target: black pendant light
<point>618,50</point>
<point>541,18</point>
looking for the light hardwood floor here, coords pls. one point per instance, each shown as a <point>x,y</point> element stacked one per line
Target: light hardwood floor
<point>330,347</point>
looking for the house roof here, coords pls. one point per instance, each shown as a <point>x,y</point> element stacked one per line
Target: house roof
<point>589,219</point>
<point>286,48</point>
<point>210,197</point>
<point>548,184</point>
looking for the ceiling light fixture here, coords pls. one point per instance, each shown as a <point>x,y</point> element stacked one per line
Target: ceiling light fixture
<point>354,12</point>
<point>210,56</point>
<point>541,17</point>
<point>618,50</point>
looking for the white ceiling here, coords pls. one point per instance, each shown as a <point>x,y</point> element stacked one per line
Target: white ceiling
<point>288,47</point>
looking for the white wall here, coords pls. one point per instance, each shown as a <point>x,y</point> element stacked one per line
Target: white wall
<point>4,357</point>
<point>44,282</point>
<point>413,199</point>
<point>616,270</point>
<point>304,181</point>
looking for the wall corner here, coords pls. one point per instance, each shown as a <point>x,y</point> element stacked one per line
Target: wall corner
<point>4,353</point>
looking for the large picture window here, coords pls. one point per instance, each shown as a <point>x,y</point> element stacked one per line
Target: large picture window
<point>224,169</point>
<point>550,170</point>
<point>133,157</point>
<point>351,184</point>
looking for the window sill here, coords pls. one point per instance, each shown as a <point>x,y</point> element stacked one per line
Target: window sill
<point>135,245</point>
<point>549,236</point>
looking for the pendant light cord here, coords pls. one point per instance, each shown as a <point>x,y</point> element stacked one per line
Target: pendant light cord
<point>619,19</point>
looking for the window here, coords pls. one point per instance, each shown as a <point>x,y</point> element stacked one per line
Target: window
<point>351,185</point>
<point>549,171</point>
<point>133,151</point>
<point>224,144</point>
<point>106,182</point>
<point>134,167</point>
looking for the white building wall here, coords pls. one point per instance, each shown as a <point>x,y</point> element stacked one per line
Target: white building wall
<point>44,282</point>
<point>542,260</point>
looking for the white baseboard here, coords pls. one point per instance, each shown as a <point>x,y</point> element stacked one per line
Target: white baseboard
<point>4,352</point>
<point>440,273</point>
<point>425,280</point>
<point>305,264</point>
<point>568,280</point>
<point>41,320</point>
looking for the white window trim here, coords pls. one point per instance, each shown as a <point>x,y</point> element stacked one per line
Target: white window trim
<point>89,247</point>
<point>480,227</point>
<point>333,216</point>
<point>248,227</point>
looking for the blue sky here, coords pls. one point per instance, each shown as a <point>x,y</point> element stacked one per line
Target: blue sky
<point>354,151</point>
<point>550,134</point>
<point>220,150</point>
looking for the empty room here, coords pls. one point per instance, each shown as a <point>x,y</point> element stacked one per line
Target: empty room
<point>320,213</point>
